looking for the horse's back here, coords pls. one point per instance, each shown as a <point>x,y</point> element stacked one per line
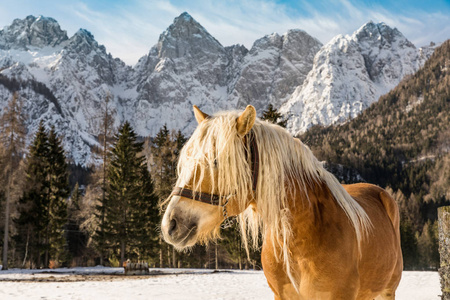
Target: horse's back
<point>369,195</point>
<point>381,251</point>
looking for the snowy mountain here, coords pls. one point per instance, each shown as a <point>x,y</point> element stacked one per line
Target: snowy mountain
<point>350,73</point>
<point>188,66</point>
<point>274,67</point>
<point>32,32</point>
<point>65,81</point>
<point>77,72</point>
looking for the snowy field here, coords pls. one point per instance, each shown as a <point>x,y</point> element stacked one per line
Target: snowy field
<point>181,284</point>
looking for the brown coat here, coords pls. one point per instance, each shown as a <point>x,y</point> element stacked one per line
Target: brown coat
<point>325,255</point>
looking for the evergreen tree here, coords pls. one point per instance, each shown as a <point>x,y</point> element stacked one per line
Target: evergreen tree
<point>428,244</point>
<point>180,140</point>
<point>43,209</point>
<point>75,198</point>
<point>12,137</point>
<point>409,246</point>
<point>58,194</point>
<point>146,218</point>
<point>33,219</point>
<point>272,115</point>
<point>123,193</point>
<point>164,151</point>
<point>76,239</point>
<point>163,163</point>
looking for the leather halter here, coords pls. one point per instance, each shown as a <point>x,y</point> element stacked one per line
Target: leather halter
<point>223,200</point>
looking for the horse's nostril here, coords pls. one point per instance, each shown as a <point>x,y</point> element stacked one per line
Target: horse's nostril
<point>172,226</point>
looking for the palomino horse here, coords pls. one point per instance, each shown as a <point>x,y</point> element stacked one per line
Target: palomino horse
<point>321,240</point>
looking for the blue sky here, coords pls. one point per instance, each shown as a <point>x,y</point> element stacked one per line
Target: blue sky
<point>129,28</point>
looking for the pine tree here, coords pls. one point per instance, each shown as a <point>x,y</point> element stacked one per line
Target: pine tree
<point>76,239</point>
<point>180,140</point>
<point>165,150</point>
<point>43,209</point>
<point>159,154</point>
<point>75,198</point>
<point>162,167</point>
<point>33,219</point>
<point>428,245</point>
<point>146,218</point>
<point>122,192</point>
<point>58,194</point>
<point>12,137</point>
<point>272,115</point>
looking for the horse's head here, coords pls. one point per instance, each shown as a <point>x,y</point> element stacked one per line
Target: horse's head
<point>214,178</point>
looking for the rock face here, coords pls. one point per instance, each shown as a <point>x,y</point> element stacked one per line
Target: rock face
<point>274,67</point>
<point>349,74</point>
<point>188,66</point>
<point>65,81</point>
<point>32,32</point>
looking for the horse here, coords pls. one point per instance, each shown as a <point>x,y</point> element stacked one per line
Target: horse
<point>320,239</point>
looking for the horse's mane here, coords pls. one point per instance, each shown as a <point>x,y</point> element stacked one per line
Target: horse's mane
<point>215,147</point>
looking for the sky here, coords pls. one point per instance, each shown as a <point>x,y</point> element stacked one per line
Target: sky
<point>129,28</point>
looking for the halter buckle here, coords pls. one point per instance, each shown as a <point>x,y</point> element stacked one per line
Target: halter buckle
<point>228,222</point>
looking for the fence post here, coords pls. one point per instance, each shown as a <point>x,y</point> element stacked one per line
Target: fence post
<point>444,250</point>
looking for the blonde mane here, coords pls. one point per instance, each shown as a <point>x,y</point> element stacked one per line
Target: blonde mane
<point>216,149</point>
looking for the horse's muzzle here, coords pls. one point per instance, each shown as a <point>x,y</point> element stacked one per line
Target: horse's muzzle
<point>177,231</point>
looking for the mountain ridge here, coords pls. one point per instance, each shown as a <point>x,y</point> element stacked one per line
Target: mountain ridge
<point>351,72</point>
<point>186,66</point>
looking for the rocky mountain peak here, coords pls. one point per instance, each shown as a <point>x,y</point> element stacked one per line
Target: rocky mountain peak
<point>84,42</point>
<point>275,63</point>
<point>184,17</point>
<point>271,40</point>
<point>32,32</point>
<point>380,33</point>
<point>186,37</point>
<point>293,40</point>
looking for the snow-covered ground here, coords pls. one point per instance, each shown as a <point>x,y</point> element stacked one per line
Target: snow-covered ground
<point>184,284</point>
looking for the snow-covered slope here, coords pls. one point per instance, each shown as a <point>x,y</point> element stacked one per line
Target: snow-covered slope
<point>350,73</point>
<point>65,81</point>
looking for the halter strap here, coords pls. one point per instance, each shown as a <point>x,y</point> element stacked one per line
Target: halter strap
<point>202,197</point>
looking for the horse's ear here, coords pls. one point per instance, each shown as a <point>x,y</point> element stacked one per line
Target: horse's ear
<point>246,120</point>
<point>199,115</point>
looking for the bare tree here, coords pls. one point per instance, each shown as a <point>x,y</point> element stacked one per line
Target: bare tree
<point>104,131</point>
<point>12,136</point>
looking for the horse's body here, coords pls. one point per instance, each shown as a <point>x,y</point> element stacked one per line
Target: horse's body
<point>325,260</point>
<point>321,240</point>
